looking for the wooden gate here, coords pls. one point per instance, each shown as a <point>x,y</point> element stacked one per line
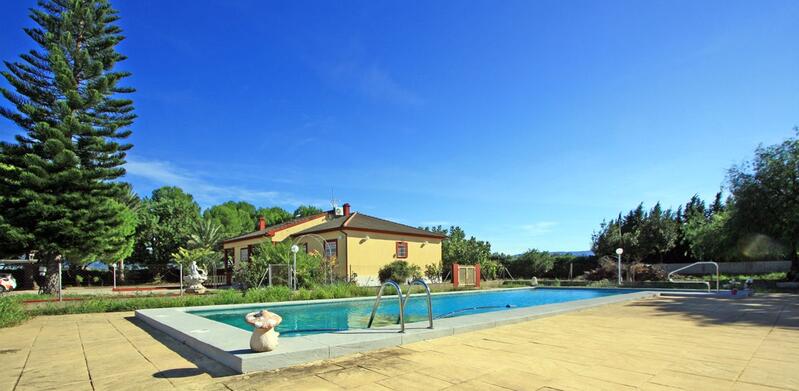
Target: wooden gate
<point>465,275</point>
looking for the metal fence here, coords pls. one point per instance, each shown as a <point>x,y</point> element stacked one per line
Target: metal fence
<point>280,274</point>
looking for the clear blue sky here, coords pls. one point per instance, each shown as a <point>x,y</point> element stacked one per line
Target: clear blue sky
<point>524,122</point>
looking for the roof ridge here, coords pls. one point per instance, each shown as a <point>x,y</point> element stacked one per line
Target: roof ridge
<point>349,218</point>
<point>270,230</point>
<point>394,222</point>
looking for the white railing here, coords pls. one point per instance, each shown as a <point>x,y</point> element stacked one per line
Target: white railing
<point>695,282</point>
<point>216,280</point>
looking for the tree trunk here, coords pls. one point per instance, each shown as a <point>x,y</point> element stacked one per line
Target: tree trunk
<point>122,270</point>
<point>50,284</point>
<point>30,272</point>
<point>793,275</point>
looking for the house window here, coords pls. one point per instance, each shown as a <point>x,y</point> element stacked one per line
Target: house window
<point>331,248</point>
<point>402,249</point>
<point>244,254</point>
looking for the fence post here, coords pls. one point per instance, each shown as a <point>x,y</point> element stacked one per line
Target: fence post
<point>477,275</point>
<point>455,275</point>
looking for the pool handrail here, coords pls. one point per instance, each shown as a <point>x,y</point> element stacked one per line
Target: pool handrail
<point>377,304</point>
<point>421,282</point>
<point>690,282</point>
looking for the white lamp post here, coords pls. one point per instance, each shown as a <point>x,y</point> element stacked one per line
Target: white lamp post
<point>294,249</point>
<point>114,275</point>
<point>619,251</point>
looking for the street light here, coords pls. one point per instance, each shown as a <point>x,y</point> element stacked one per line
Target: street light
<point>294,249</point>
<point>619,251</point>
<point>113,268</point>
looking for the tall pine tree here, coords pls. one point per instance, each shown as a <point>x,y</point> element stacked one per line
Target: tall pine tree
<point>58,194</point>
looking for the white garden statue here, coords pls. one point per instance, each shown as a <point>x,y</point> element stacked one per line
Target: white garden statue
<point>264,336</point>
<point>195,279</point>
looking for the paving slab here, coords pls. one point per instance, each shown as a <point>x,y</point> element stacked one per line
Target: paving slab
<point>659,344</point>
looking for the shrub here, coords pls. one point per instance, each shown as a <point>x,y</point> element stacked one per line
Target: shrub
<point>489,269</point>
<point>250,274</point>
<point>607,270</point>
<point>399,271</point>
<point>601,284</point>
<point>311,268</point>
<point>433,271</point>
<point>11,311</point>
<point>78,280</point>
<point>647,272</point>
<point>269,294</point>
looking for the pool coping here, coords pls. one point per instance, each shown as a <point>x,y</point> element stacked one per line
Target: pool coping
<point>229,345</point>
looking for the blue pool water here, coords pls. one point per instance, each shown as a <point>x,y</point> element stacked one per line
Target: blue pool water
<point>324,317</point>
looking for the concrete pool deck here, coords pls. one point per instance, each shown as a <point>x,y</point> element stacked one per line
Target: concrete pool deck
<point>667,344</point>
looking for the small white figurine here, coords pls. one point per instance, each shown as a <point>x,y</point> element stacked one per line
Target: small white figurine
<point>264,336</point>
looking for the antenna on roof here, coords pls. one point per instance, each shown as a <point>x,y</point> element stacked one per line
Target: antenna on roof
<point>333,200</point>
<point>337,210</point>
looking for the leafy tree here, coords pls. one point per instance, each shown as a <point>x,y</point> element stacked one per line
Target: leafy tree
<point>236,218</point>
<point>708,236</point>
<point>532,263</point>
<point>58,189</point>
<point>644,235</point>
<point>609,237</point>
<point>274,215</point>
<point>659,231</point>
<point>682,247</point>
<point>166,222</point>
<point>306,210</point>
<point>456,248</point>
<point>764,192</point>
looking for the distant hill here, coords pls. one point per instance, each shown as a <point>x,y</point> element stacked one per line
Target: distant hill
<point>587,253</point>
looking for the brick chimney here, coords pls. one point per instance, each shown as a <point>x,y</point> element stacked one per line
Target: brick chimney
<point>346,209</point>
<point>261,223</point>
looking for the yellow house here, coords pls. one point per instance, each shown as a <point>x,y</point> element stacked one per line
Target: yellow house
<point>361,244</point>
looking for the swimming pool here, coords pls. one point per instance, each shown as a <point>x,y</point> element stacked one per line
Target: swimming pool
<point>305,319</point>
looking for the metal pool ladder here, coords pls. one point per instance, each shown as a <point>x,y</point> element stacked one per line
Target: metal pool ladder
<point>421,282</point>
<point>402,302</point>
<point>694,282</point>
<point>377,304</point>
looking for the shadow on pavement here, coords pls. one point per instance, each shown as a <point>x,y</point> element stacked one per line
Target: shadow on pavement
<point>770,310</point>
<point>203,363</point>
<point>178,373</point>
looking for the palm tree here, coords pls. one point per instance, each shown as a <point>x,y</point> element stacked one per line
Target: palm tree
<point>206,234</point>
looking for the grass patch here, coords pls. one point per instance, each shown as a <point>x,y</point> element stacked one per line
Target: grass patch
<point>12,312</point>
<point>777,276</point>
